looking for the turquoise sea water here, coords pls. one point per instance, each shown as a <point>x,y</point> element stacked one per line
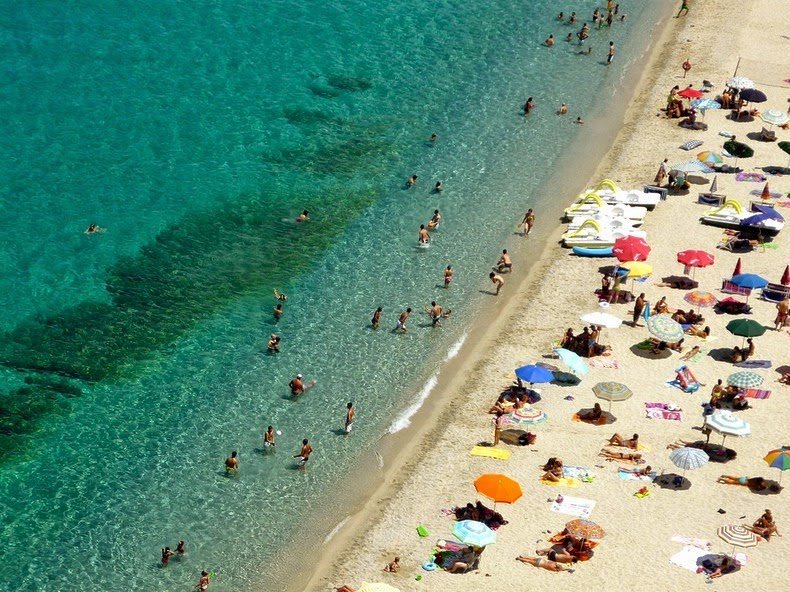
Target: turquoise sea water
<point>133,361</point>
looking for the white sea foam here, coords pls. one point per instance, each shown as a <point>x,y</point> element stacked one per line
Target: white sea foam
<point>455,348</point>
<point>336,529</point>
<point>404,419</point>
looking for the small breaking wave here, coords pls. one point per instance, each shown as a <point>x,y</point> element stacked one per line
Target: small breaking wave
<point>404,419</point>
<point>336,529</point>
<point>455,348</point>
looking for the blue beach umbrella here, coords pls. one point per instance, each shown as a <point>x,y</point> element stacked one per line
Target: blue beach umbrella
<point>749,280</point>
<point>573,361</point>
<point>472,532</point>
<point>534,374</point>
<point>705,104</point>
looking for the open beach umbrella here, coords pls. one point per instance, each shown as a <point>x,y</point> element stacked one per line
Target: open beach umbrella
<point>752,95</point>
<point>710,158</point>
<point>745,379</point>
<point>695,258</point>
<point>534,374</point>
<point>573,361</point>
<point>498,488</point>
<point>637,269</point>
<point>690,93</point>
<point>745,328</point>
<point>739,83</point>
<point>630,248</point>
<point>585,529</point>
<point>377,587</point>
<point>612,391</point>
<point>527,415</point>
<point>664,328</point>
<point>727,424</point>
<point>688,459</point>
<point>785,281</point>
<point>705,104</point>
<point>692,166</point>
<point>775,117</point>
<point>737,536</point>
<point>602,319</point>
<point>749,280</point>
<point>700,298</point>
<point>779,459</point>
<point>472,532</point>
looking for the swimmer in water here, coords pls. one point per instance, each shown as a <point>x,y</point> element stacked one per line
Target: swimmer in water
<point>280,297</point>
<point>205,580</point>
<point>303,217</point>
<point>232,464</point>
<point>497,281</point>
<point>274,344</point>
<point>297,386</point>
<point>561,16</point>
<point>425,238</point>
<point>304,454</point>
<point>411,181</point>
<point>350,413</point>
<point>435,312</point>
<point>569,37</point>
<point>376,320</point>
<point>549,41</point>
<point>529,106</point>
<point>166,555</point>
<point>400,325</point>
<point>433,138</point>
<point>579,120</point>
<point>572,18</point>
<point>563,109</point>
<point>448,276</point>
<point>277,311</point>
<point>268,437</point>
<point>435,219</point>
<point>181,549</point>
<point>93,229</point>
<point>438,187</point>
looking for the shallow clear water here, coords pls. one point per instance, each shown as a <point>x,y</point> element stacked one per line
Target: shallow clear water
<point>133,360</point>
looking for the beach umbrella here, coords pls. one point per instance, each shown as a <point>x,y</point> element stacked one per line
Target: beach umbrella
<point>714,186</point>
<point>749,280</point>
<point>630,248</point>
<point>528,415</point>
<point>690,93</point>
<point>779,459</point>
<point>688,459</point>
<point>573,361</point>
<point>534,374</point>
<point>498,488</point>
<point>377,587</point>
<point>637,269</point>
<point>602,319</point>
<point>752,95</point>
<point>745,328</point>
<point>739,82</point>
<point>775,117</point>
<point>692,166</point>
<point>694,258</point>
<point>705,104</point>
<point>664,328</point>
<point>737,536</point>
<point>745,379</point>
<point>700,298</point>
<point>612,391</point>
<point>727,424</point>
<point>737,270</point>
<point>584,529</point>
<point>472,532</point>
<point>763,213</point>
<point>785,281</point>
<point>710,158</point>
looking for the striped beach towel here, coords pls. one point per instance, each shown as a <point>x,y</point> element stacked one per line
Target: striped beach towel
<point>756,394</point>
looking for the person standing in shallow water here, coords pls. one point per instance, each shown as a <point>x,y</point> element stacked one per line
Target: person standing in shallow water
<point>529,106</point>
<point>376,320</point>
<point>232,464</point>
<point>497,281</point>
<point>350,413</point>
<point>528,222</point>
<point>448,276</point>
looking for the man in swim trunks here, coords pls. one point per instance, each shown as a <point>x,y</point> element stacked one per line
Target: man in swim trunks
<point>400,325</point>
<point>435,312</point>
<point>376,318</point>
<point>268,438</point>
<point>232,464</point>
<point>610,55</point>
<point>504,262</point>
<point>782,310</point>
<point>181,549</point>
<point>350,413</point>
<point>304,453</point>
<point>297,385</point>
<point>448,276</point>
<point>277,311</point>
<point>205,580</point>
<point>425,238</point>
<point>639,307</point>
<point>497,281</point>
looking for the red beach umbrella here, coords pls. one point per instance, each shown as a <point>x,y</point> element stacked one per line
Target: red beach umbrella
<point>766,194</point>
<point>690,93</point>
<point>737,270</point>
<point>695,258</point>
<point>630,248</point>
<point>786,277</point>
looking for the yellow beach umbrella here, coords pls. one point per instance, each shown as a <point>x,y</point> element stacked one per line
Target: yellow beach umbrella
<point>637,269</point>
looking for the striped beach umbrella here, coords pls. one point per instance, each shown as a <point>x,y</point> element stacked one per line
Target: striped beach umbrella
<point>705,104</point>
<point>528,415</point>
<point>700,298</point>
<point>726,424</point>
<point>612,391</point>
<point>472,532</point>
<point>779,459</point>
<point>585,529</point>
<point>665,328</point>
<point>692,166</point>
<point>737,536</point>
<point>745,379</point>
<point>710,158</point>
<point>774,117</point>
<point>688,459</point>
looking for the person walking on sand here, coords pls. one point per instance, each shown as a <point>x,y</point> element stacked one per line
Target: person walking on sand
<point>684,5</point>
<point>350,413</point>
<point>304,453</point>
<point>497,281</point>
<point>376,320</point>
<point>424,237</point>
<point>448,276</point>
<point>528,222</point>
<point>782,311</point>
<point>400,325</point>
<point>610,55</point>
<point>498,421</point>
<point>662,173</point>
<point>639,307</point>
<point>232,464</point>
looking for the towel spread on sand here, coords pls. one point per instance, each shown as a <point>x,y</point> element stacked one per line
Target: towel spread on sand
<point>574,506</point>
<point>687,558</point>
<point>629,476</point>
<point>580,473</point>
<point>691,541</point>
<point>564,482</point>
<point>603,363</point>
<point>641,494</point>
<point>490,452</point>
<point>663,411</point>
<point>698,356</point>
<point>750,177</point>
<point>754,364</point>
<point>600,421</point>
<point>756,394</point>
<point>673,384</point>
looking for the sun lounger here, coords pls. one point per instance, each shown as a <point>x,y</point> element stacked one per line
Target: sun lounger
<point>729,288</point>
<point>735,244</point>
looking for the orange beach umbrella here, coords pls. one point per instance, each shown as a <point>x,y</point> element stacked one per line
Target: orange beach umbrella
<point>499,488</point>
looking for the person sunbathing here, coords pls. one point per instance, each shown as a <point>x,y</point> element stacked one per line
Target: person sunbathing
<point>541,562</point>
<point>552,463</point>
<point>693,318</point>
<point>639,472</point>
<point>697,332</point>
<point>393,566</point>
<point>564,555</point>
<point>554,474</point>
<point>467,561</point>
<point>616,455</point>
<point>593,414</point>
<point>618,440</point>
<point>736,355</point>
<point>753,483</point>
<point>764,526</point>
<point>661,306</point>
<point>680,317</point>
<point>727,565</point>
<point>676,345</point>
<point>690,353</point>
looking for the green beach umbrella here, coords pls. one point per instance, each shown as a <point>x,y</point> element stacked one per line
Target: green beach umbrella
<point>745,328</point>
<point>745,379</point>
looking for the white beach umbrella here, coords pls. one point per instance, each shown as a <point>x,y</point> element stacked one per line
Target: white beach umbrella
<point>775,117</point>
<point>727,424</point>
<point>689,458</point>
<point>740,82</point>
<point>602,319</point>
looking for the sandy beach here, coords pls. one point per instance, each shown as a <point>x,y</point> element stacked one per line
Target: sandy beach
<point>435,471</point>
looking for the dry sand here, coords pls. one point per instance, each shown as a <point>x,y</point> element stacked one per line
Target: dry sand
<point>635,552</point>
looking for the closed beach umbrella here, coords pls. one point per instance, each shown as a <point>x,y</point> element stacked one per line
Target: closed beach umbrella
<point>745,379</point>
<point>528,415</point>
<point>573,361</point>
<point>737,536</point>
<point>714,186</point>
<point>688,459</point>
<point>779,459</point>
<point>700,298</point>
<point>727,424</point>
<point>630,248</point>
<point>739,83</point>
<point>498,488</point>
<point>664,328</point>
<point>775,117</point>
<point>737,270</point>
<point>534,374</point>
<point>752,95</point>
<point>472,532</point>
<point>745,328</point>
<point>377,587</point>
<point>785,281</point>
<point>710,158</point>
<point>692,166</point>
<point>585,529</point>
<point>612,391</point>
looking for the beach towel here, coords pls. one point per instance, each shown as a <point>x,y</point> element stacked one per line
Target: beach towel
<point>663,411</point>
<point>490,452</point>
<point>750,177</point>
<point>691,541</point>
<point>564,482</point>
<point>698,356</point>
<point>581,473</point>
<point>754,364</point>
<point>690,145</point>
<point>687,558</point>
<point>641,494</point>
<point>574,506</point>
<point>756,394</point>
<point>603,363</point>
<point>629,476</point>
<point>783,204</point>
<point>645,345</point>
<point>600,421</point>
<point>726,134</point>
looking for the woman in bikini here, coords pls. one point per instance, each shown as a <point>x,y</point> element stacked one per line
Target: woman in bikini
<point>542,562</point>
<point>616,455</point>
<point>618,440</point>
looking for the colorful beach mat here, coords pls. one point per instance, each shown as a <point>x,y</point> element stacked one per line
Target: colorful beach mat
<point>756,394</point>
<point>574,506</point>
<point>626,475</point>
<point>754,364</point>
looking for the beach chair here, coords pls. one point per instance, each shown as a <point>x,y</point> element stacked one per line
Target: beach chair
<point>735,244</point>
<point>775,292</point>
<point>711,199</point>
<point>662,191</point>
<point>729,288</point>
<point>767,135</point>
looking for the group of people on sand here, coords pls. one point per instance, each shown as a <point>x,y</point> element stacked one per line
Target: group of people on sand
<point>722,396</point>
<point>585,343</point>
